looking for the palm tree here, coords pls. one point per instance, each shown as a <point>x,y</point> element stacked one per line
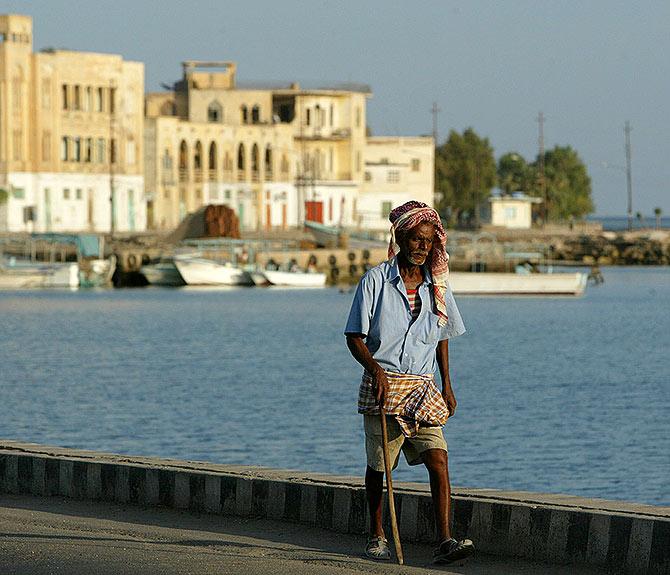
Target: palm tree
<point>657,213</point>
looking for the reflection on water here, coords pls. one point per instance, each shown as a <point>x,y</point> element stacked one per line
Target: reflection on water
<point>557,395</point>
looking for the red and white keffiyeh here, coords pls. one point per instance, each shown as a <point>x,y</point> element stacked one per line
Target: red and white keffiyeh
<point>410,215</point>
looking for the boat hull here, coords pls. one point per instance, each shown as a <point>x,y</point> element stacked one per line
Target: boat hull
<point>295,279</point>
<point>38,275</point>
<point>163,274</point>
<point>199,271</point>
<point>470,283</point>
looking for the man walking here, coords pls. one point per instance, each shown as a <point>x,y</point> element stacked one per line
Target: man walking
<point>399,326</point>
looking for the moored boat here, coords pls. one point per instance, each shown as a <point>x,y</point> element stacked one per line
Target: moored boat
<point>201,271</point>
<point>17,274</point>
<point>295,278</point>
<point>482,283</point>
<point>163,273</point>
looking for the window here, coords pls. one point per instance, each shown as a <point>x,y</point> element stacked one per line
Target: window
<point>88,150</point>
<point>18,145</point>
<point>66,193</point>
<point>112,151</point>
<point>46,146</point>
<point>308,116</point>
<point>131,156</point>
<point>78,194</point>
<point>167,161</point>
<point>510,213</point>
<point>46,94</point>
<point>368,176</point>
<point>245,114</point>
<point>393,176</point>
<point>227,194</point>
<point>240,157</point>
<point>358,117</point>
<point>101,156</point>
<point>64,156</point>
<point>99,100</point>
<point>416,164</point>
<point>255,115</point>
<point>77,98</point>
<point>88,99</point>
<point>77,150</point>
<point>215,112</point>
<point>112,100</point>
<point>386,209</point>
<point>66,102</point>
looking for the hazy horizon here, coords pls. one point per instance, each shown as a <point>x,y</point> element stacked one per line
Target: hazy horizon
<point>492,66</point>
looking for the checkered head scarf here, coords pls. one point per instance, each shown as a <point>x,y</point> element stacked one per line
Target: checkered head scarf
<point>408,216</point>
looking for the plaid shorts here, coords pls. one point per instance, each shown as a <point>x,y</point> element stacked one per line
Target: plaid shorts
<point>428,437</point>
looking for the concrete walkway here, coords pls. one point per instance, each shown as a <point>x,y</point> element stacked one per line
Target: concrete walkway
<point>40,536</point>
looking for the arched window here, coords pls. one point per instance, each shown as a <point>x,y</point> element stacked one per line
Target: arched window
<point>241,162</point>
<point>212,161</point>
<point>197,161</point>
<point>245,114</point>
<point>183,161</point>
<point>255,114</point>
<point>215,112</point>
<point>268,163</point>
<point>64,155</point>
<point>254,162</point>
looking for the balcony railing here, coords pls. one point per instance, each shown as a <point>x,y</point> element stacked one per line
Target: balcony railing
<point>268,176</point>
<point>241,176</point>
<point>183,175</point>
<point>255,176</point>
<point>198,175</point>
<point>212,175</point>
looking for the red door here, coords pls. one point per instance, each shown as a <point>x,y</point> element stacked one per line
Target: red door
<point>314,211</point>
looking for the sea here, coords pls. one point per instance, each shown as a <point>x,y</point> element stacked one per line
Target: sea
<point>620,223</point>
<point>555,395</point>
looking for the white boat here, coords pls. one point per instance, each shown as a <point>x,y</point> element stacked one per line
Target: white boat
<point>17,274</point>
<point>162,273</point>
<point>476,283</point>
<point>295,279</point>
<point>96,272</point>
<point>201,271</point>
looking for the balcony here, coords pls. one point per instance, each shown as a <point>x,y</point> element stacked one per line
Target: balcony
<point>183,175</point>
<point>212,175</point>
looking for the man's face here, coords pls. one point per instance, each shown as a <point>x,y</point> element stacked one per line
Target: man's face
<point>416,244</point>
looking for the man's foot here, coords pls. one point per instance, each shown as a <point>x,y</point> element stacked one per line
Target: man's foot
<point>451,550</point>
<point>378,549</point>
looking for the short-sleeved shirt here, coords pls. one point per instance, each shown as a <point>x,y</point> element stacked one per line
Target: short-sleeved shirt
<point>381,312</point>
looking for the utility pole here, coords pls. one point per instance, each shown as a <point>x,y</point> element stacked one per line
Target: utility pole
<point>629,178</point>
<point>435,111</point>
<point>543,184</point>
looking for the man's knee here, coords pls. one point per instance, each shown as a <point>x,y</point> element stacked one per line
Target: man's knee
<point>435,459</point>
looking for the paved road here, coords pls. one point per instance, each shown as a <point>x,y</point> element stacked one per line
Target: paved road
<point>40,536</point>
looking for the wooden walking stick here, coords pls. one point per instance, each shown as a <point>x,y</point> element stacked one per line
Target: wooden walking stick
<point>389,488</point>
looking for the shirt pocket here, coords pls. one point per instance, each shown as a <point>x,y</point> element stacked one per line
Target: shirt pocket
<point>429,332</point>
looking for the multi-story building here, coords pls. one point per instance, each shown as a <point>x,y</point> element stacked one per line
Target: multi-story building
<point>277,155</point>
<point>396,170</point>
<point>71,137</point>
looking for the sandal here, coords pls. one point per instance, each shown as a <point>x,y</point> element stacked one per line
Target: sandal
<point>377,548</point>
<point>451,550</point>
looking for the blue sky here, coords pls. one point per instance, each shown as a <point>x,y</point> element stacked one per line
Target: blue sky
<point>589,66</point>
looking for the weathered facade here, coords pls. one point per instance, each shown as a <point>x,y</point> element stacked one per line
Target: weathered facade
<point>71,137</point>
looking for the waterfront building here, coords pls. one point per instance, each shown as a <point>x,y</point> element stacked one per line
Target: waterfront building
<point>512,211</point>
<point>396,170</point>
<point>71,137</point>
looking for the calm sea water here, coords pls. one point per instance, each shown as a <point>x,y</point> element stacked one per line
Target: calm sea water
<point>555,395</point>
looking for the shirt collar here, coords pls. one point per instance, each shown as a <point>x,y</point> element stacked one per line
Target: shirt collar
<point>393,271</point>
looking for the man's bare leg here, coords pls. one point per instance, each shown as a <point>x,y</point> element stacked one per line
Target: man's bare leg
<point>374,489</point>
<point>436,460</point>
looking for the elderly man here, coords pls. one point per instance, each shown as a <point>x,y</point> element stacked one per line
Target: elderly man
<point>399,326</point>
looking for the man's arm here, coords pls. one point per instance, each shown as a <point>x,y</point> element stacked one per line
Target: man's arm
<point>443,364</point>
<point>363,356</point>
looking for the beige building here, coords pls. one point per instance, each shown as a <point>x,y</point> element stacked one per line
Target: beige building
<point>396,170</point>
<point>277,155</point>
<point>71,137</point>
<point>513,211</point>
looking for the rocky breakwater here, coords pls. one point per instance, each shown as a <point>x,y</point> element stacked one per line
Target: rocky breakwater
<point>643,247</point>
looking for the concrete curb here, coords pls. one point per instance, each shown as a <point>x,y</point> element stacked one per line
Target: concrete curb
<point>558,529</point>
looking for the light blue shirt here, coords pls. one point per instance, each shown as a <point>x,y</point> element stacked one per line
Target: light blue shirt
<point>380,311</point>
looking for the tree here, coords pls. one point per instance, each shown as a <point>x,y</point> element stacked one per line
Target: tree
<point>465,173</point>
<point>657,213</point>
<point>514,173</point>
<point>568,185</point>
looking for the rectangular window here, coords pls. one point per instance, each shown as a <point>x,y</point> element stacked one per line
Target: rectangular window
<point>99,100</point>
<point>77,150</point>
<point>66,101</point>
<point>393,176</point>
<point>416,164</point>
<point>17,145</point>
<point>46,94</point>
<point>101,155</point>
<point>64,151</point>
<point>77,97</point>
<point>19,193</point>
<point>46,146</point>
<point>386,209</point>
<point>112,100</point>
<point>510,213</point>
<point>66,193</point>
<point>130,153</point>
<point>368,176</point>
<point>78,194</point>
<point>112,151</point>
<point>88,150</point>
